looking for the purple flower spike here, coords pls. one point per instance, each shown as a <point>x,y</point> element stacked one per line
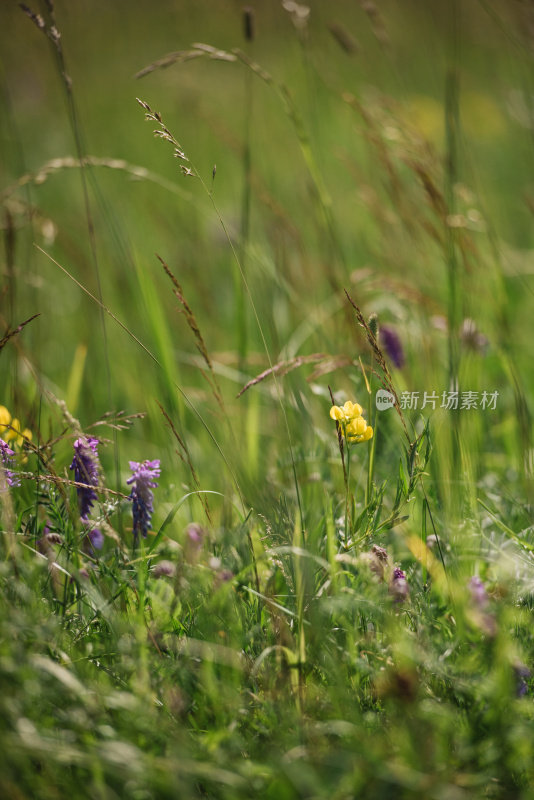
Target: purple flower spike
<point>194,538</point>
<point>7,477</point>
<point>143,474</point>
<point>392,345</point>
<point>96,537</point>
<point>85,466</point>
<point>398,586</point>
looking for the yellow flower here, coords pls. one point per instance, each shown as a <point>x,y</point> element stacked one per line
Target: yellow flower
<point>364,437</point>
<point>27,434</point>
<point>352,422</point>
<point>337,413</point>
<point>10,430</point>
<point>356,427</point>
<point>349,412</point>
<point>13,432</point>
<point>5,419</point>
<point>352,410</point>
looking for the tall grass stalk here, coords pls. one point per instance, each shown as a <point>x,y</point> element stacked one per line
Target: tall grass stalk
<point>246,202</point>
<point>151,355</point>
<point>194,172</point>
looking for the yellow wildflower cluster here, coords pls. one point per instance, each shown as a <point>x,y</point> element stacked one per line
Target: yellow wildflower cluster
<point>10,429</point>
<point>350,418</point>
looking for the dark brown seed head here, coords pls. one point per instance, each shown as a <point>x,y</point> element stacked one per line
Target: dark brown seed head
<point>248,23</point>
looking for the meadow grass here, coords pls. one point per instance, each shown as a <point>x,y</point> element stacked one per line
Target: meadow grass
<point>332,206</point>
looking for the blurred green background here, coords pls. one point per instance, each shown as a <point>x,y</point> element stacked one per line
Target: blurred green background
<point>349,185</point>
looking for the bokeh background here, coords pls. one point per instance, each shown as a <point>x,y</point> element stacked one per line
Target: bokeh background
<point>342,172</point>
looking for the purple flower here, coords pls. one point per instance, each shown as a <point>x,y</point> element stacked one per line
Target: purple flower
<point>96,537</point>
<point>392,345</point>
<point>142,480</point>
<point>85,466</point>
<point>194,538</point>
<point>221,575</point>
<point>164,568</point>
<point>398,586</point>
<point>522,673</point>
<point>195,534</point>
<point>93,538</point>
<point>478,593</point>
<point>7,477</point>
